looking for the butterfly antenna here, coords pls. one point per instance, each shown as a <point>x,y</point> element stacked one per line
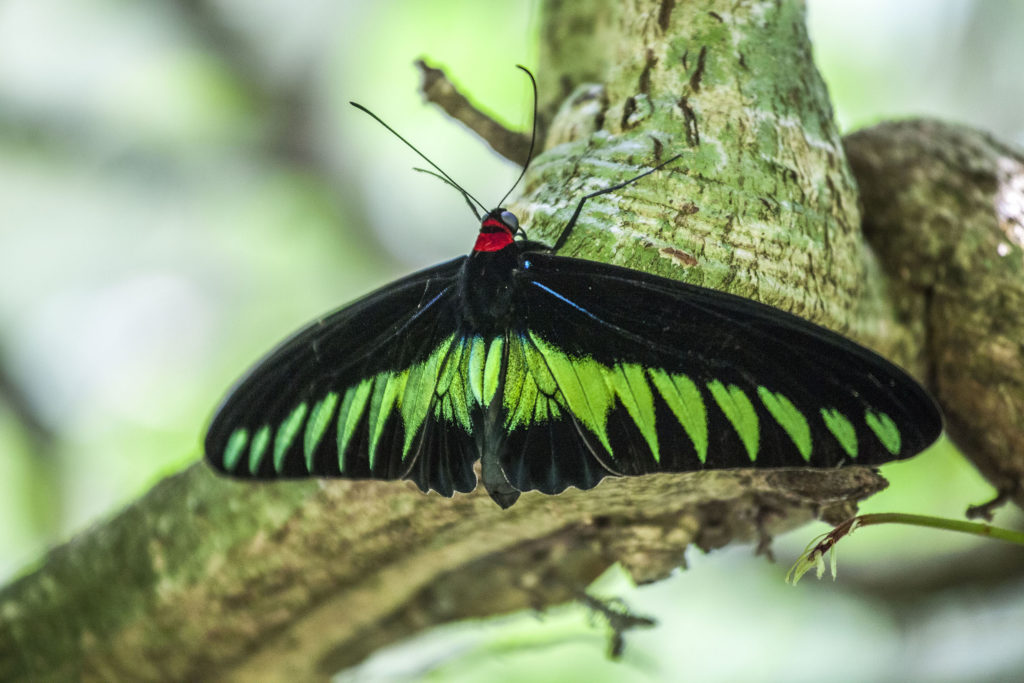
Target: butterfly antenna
<point>443,175</point>
<point>533,135</point>
<point>447,181</point>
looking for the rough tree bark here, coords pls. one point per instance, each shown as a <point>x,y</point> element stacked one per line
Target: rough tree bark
<point>207,578</point>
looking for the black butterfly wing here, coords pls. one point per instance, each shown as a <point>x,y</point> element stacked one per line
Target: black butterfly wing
<point>373,390</point>
<point>629,373</point>
<point>547,445</point>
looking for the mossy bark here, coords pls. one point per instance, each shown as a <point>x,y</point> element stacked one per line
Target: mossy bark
<point>204,578</point>
<point>762,202</point>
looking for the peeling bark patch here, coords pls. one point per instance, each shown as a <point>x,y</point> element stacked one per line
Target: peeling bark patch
<point>627,110</point>
<point>698,73</point>
<point>690,118</point>
<point>665,13</point>
<point>771,206</point>
<point>645,75</point>
<point>687,209</point>
<point>658,147</point>
<point>635,110</point>
<point>602,97</point>
<point>678,256</point>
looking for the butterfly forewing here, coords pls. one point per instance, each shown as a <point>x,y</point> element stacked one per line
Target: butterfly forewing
<point>656,375</point>
<point>356,395</point>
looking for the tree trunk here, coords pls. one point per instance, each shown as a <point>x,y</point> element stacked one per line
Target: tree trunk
<point>208,578</point>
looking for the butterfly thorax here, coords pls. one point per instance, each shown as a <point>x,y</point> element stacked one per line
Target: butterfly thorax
<point>487,276</point>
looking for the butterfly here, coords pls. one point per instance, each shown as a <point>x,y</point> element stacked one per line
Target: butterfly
<point>556,372</point>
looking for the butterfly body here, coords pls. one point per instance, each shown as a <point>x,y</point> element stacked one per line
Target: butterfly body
<point>557,372</point>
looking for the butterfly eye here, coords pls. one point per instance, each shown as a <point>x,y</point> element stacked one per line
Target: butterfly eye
<point>509,219</point>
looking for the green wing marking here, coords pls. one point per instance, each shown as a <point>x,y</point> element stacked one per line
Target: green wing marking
<point>286,434</point>
<point>737,407</point>
<point>520,388</point>
<point>456,378</point>
<point>386,388</point>
<point>438,381</point>
<point>842,429</point>
<point>885,429</point>
<point>454,397</point>
<point>580,384</point>
<point>684,399</point>
<point>364,392</point>
<point>259,448</point>
<point>789,418</point>
<point>492,369</point>
<point>485,368</point>
<point>543,382</point>
<point>531,392</point>
<point>419,392</point>
<point>352,407</point>
<point>319,421</point>
<point>634,392</point>
<point>236,446</point>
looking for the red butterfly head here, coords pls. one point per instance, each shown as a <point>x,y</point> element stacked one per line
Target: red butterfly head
<point>497,230</point>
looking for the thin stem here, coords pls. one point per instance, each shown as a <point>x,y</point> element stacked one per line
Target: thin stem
<point>813,556</point>
<point>975,528</point>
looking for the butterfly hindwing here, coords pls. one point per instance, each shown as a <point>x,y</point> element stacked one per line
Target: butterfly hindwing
<point>546,448</point>
<point>371,391</point>
<point>656,375</point>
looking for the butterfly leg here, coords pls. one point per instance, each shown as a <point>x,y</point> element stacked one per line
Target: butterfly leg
<point>560,242</point>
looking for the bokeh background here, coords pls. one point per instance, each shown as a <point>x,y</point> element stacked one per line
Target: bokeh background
<point>182,183</point>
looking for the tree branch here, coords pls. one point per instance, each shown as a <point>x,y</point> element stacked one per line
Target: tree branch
<point>945,213</point>
<point>436,88</point>
<point>214,579</point>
